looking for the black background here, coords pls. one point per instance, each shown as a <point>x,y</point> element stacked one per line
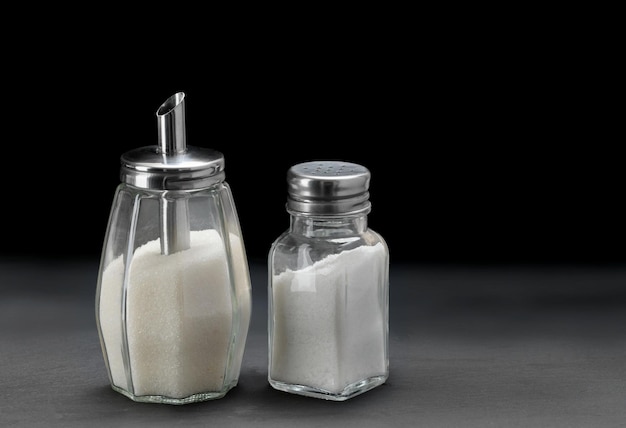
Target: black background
<point>494,136</point>
<point>482,149</point>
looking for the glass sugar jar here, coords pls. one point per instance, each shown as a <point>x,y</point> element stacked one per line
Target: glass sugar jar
<point>173,299</point>
<point>328,285</point>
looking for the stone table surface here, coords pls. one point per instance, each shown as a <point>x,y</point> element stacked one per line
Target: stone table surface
<point>470,346</point>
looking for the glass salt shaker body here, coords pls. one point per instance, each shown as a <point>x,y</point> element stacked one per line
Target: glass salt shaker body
<point>328,287</point>
<point>173,298</point>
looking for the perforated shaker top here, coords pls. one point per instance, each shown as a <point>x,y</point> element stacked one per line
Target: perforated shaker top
<point>328,188</point>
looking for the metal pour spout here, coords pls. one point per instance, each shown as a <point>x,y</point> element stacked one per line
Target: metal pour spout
<point>174,212</point>
<point>172,126</point>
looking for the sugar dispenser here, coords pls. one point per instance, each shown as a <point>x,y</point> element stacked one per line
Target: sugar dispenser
<point>328,287</point>
<point>173,299</point>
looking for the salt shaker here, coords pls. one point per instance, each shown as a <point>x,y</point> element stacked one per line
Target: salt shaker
<point>173,299</point>
<point>328,287</point>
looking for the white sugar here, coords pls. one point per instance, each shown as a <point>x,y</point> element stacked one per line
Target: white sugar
<point>179,317</point>
<point>329,330</point>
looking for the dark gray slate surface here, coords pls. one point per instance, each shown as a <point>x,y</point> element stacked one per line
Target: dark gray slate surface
<point>470,347</point>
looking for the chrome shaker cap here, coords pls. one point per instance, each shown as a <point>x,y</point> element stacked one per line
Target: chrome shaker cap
<point>328,188</point>
<point>172,164</point>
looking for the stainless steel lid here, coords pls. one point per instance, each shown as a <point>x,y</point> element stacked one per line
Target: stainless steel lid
<point>328,188</point>
<point>172,164</point>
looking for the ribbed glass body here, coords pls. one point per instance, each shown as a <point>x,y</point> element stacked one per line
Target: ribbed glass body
<point>328,307</point>
<point>173,322</point>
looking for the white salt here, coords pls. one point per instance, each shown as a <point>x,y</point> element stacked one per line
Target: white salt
<point>179,317</point>
<point>329,321</point>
